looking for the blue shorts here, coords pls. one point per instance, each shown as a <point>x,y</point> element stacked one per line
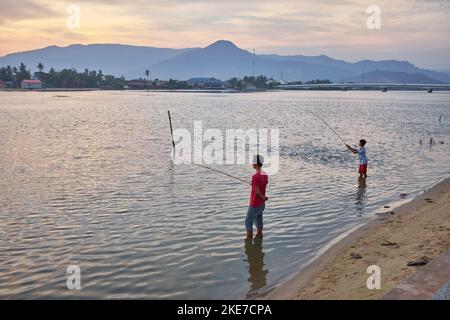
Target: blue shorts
<point>254,215</point>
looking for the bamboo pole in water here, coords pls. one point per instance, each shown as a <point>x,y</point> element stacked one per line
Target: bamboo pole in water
<point>171,130</point>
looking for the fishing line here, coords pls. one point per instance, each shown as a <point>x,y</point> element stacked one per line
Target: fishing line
<point>229,175</point>
<point>334,131</point>
<point>200,165</point>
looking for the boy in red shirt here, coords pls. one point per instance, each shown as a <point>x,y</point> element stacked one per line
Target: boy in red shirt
<point>257,198</point>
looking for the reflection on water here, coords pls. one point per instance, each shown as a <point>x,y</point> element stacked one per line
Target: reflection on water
<point>255,260</point>
<point>361,198</point>
<point>87,180</point>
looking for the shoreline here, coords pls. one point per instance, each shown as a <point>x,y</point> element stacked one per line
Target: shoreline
<point>334,274</point>
<point>210,90</point>
<point>128,90</point>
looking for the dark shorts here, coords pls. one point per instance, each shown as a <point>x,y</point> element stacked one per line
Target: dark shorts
<point>254,215</point>
<point>363,169</point>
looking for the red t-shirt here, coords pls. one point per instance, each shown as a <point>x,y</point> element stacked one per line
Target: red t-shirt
<point>261,180</point>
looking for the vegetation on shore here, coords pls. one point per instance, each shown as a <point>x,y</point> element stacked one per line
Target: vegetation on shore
<point>65,78</point>
<point>316,81</point>
<point>71,78</point>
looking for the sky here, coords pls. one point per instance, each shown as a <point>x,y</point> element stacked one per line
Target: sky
<point>413,30</point>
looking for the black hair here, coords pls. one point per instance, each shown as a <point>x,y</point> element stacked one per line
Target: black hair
<point>363,142</point>
<point>258,161</point>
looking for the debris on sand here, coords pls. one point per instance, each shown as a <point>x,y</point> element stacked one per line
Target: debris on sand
<point>389,243</point>
<point>403,195</point>
<point>419,262</point>
<point>354,255</point>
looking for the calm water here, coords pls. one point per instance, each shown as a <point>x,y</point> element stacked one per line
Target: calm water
<point>87,180</point>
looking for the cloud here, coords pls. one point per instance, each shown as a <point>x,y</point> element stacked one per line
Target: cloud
<point>13,10</point>
<point>289,26</point>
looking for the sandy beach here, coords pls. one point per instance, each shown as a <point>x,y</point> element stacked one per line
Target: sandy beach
<point>416,229</point>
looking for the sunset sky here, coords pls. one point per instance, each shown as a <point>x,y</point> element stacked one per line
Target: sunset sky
<point>418,31</point>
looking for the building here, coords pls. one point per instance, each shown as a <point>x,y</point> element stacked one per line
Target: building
<point>3,84</point>
<point>207,83</point>
<point>160,83</point>
<point>31,84</point>
<point>137,84</point>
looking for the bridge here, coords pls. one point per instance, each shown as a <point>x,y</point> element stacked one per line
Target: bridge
<point>366,86</point>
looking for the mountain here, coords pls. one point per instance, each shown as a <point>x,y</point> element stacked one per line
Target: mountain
<point>444,71</point>
<point>381,76</point>
<point>317,60</point>
<point>400,66</point>
<point>222,60</point>
<point>116,59</point>
<point>225,60</point>
<point>363,66</point>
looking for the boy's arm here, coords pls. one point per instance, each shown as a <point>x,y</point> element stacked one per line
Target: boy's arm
<point>351,149</point>
<point>259,194</point>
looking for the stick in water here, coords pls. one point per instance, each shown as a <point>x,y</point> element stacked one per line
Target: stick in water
<point>200,165</point>
<point>329,127</point>
<point>171,130</point>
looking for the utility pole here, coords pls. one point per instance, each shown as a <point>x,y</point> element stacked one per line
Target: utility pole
<point>253,63</point>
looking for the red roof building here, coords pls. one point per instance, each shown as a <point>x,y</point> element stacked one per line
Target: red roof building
<point>31,84</point>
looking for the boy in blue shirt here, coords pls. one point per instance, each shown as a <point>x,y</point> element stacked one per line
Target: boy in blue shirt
<point>361,152</point>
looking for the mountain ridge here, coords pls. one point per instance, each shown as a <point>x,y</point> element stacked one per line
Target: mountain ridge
<point>221,59</point>
<point>398,77</point>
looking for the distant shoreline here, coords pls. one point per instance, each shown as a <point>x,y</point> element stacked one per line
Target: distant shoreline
<point>127,90</point>
<point>220,90</point>
<point>51,89</point>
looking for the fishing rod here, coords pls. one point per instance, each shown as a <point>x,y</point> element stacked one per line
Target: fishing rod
<point>334,131</point>
<point>201,165</point>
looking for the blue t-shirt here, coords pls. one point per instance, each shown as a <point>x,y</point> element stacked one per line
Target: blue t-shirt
<point>362,155</point>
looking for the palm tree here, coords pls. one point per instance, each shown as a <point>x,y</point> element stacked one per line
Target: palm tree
<point>40,74</point>
<point>147,73</point>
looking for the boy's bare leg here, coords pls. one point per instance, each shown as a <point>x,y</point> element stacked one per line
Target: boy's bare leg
<point>259,232</point>
<point>249,234</point>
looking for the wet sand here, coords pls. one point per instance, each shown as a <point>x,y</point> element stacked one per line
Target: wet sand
<point>416,229</point>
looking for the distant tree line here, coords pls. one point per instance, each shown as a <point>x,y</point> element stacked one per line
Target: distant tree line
<point>15,75</point>
<point>65,78</point>
<point>316,81</point>
<point>71,78</point>
<point>260,82</point>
